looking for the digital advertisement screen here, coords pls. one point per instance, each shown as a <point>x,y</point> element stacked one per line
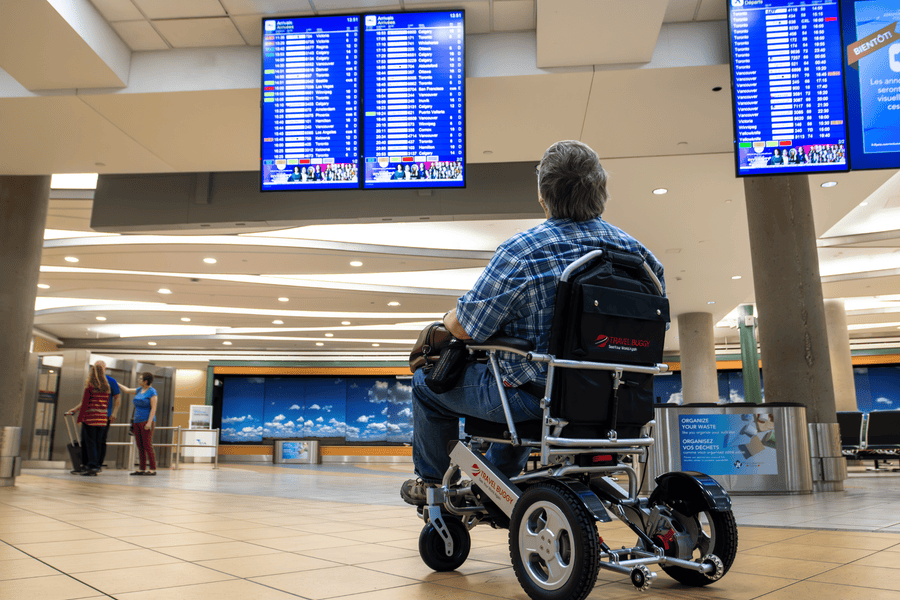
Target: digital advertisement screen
<point>788,86</point>
<point>872,75</point>
<point>414,108</point>
<point>310,103</point>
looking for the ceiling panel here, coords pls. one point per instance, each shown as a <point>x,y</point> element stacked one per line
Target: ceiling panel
<point>540,110</point>
<point>80,139</point>
<point>266,7</point>
<point>680,11</point>
<point>193,131</point>
<point>514,15</point>
<point>353,5</point>
<point>200,33</point>
<point>250,27</point>
<point>140,35</point>
<point>117,10</point>
<point>712,10</point>
<point>180,9</point>
<point>608,31</point>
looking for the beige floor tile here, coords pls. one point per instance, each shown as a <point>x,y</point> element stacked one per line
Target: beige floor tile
<point>135,579</point>
<point>178,539</point>
<point>847,539</point>
<point>863,576</point>
<point>888,560</point>
<point>10,553</point>
<point>815,553</point>
<point>788,568</point>
<point>770,534</point>
<point>425,591</point>
<point>214,551</point>
<point>45,549</point>
<point>55,587</point>
<point>328,583</point>
<point>359,554</point>
<point>236,589</point>
<point>408,544</point>
<point>17,539</point>
<point>134,531</point>
<point>336,526</point>
<point>48,525</point>
<point>309,541</point>
<point>188,518</point>
<point>414,568</point>
<point>811,590</point>
<point>219,525</point>
<point>257,533</point>
<point>498,554</point>
<point>103,561</point>
<point>268,564</point>
<point>24,567</point>
<point>497,582</point>
<point>734,586</point>
<point>377,535</point>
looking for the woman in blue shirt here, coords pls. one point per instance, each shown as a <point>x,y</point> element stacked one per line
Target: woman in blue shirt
<point>144,422</point>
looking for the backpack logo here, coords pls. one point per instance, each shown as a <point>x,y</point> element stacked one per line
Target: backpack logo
<point>601,341</point>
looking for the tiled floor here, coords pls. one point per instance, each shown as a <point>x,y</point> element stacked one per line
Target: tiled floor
<point>249,532</point>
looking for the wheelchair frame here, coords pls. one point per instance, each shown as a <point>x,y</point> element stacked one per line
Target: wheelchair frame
<point>589,490</point>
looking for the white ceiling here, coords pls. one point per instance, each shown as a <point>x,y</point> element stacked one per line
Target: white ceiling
<point>539,72</point>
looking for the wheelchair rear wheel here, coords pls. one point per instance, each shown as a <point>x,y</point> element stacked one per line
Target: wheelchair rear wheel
<point>433,550</point>
<point>554,544</point>
<point>711,532</point>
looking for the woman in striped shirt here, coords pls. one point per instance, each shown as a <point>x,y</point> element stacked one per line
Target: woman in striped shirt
<point>92,414</point>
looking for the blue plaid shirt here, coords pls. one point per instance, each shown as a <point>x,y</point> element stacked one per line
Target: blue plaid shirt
<point>517,291</point>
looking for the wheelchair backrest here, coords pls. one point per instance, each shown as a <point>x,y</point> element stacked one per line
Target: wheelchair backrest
<point>611,310</point>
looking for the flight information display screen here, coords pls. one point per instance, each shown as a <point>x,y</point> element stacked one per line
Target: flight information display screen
<point>310,103</point>
<point>413,105</point>
<point>788,86</point>
<point>872,75</point>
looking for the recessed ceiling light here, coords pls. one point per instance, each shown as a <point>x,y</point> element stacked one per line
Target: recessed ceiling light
<point>226,343</point>
<point>355,263</point>
<point>863,203</point>
<point>376,345</point>
<point>320,343</point>
<point>660,191</point>
<point>393,304</point>
<point>71,259</point>
<point>828,184</point>
<point>284,299</point>
<point>43,286</point>
<point>101,318</point>
<point>345,322</point>
<point>73,181</point>
<point>151,343</point>
<point>711,302</point>
<point>329,335</point>
<point>736,277</point>
<point>186,319</point>
<point>210,261</point>
<point>164,291</point>
<point>277,322</point>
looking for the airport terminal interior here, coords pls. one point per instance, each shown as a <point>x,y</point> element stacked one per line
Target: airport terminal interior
<point>277,325</point>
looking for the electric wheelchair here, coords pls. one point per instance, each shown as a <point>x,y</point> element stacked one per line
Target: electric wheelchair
<point>605,346</point>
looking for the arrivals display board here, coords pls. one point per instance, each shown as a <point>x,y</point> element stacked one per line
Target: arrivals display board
<point>373,101</point>
<point>787,86</point>
<point>872,76</point>
<point>414,110</point>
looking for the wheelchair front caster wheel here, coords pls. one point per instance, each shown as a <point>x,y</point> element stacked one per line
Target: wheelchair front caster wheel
<point>718,568</point>
<point>642,577</point>
<point>433,549</point>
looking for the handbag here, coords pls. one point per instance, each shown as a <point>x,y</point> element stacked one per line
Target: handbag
<point>442,357</point>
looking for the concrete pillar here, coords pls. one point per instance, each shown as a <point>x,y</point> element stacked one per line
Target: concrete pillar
<point>792,334</point>
<point>839,351</point>
<point>749,355</point>
<point>23,213</point>
<point>697,346</point>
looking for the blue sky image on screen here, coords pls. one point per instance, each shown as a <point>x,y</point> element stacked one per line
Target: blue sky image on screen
<point>873,82</point>
<point>310,108</point>
<point>414,100</point>
<point>358,409</point>
<point>788,87</point>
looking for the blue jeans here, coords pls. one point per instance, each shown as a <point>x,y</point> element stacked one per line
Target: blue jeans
<point>436,420</point>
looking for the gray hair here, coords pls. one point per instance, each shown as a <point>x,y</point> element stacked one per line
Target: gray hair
<point>572,182</point>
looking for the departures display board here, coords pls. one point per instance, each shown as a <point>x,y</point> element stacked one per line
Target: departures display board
<point>310,104</point>
<point>872,75</point>
<point>788,86</point>
<point>414,110</point>
<point>374,101</point>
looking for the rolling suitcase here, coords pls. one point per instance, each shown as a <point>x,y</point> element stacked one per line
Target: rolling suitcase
<point>74,445</point>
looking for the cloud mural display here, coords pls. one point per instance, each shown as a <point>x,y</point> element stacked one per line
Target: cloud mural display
<point>358,409</point>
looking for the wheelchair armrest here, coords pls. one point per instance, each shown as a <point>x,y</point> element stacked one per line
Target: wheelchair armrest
<point>504,343</point>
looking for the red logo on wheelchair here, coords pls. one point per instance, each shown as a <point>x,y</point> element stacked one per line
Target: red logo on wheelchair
<point>475,470</point>
<point>601,341</point>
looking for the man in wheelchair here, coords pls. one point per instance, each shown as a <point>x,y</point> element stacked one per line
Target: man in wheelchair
<point>567,323</point>
<point>515,295</point>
